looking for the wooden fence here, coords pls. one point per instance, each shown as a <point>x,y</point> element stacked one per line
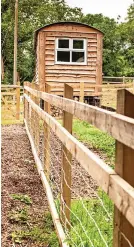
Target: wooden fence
<point>10,97</point>
<point>117,183</point>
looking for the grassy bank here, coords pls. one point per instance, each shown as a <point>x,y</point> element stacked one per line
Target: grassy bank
<point>95,139</point>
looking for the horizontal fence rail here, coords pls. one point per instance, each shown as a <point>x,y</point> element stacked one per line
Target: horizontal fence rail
<point>119,191</point>
<point>116,125</point>
<point>11,97</point>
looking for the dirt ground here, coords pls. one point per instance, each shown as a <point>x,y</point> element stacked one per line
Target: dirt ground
<point>20,177</point>
<point>22,224</point>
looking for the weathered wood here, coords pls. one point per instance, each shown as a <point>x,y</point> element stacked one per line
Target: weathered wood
<point>47,137</point>
<point>90,70</point>
<point>71,34</point>
<point>18,101</point>
<point>55,217</point>
<point>51,33</point>
<point>8,93</point>
<point>81,91</point>
<point>74,67</point>
<point>10,86</point>
<point>105,176</point>
<point>124,166</point>
<point>77,93</point>
<point>15,43</point>
<point>66,165</point>
<point>119,127</point>
<point>99,62</point>
<point>73,78</point>
<point>42,60</point>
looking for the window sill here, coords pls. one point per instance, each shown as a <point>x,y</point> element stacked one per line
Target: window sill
<point>66,63</point>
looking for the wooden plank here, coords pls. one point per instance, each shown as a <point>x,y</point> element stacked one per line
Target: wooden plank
<point>51,42</point>
<point>8,93</point>
<point>72,78</point>
<point>71,34</point>
<point>47,136</point>
<point>76,85</point>
<point>92,43</point>
<point>41,62</point>
<point>77,94</point>
<point>49,62</point>
<point>70,67</point>
<point>49,52</point>
<point>91,54</point>
<point>55,217</point>
<point>99,62</point>
<point>50,46</point>
<point>18,101</point>
<point>124,167</point>
<point>102,173</point>
<point>91,59</point>
<point>9,86</point>
<point>119,127</point>
<point>89,72</point>
<point>87,158</point>
<point>81,91</point>
<point>66,167</point>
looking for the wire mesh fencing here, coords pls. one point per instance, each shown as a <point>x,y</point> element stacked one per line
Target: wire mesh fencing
<point>85,211</point>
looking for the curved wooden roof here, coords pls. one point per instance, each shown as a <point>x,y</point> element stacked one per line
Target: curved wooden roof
<point>60,23</point>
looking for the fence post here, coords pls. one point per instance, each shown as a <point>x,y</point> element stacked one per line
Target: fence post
<point>124,167</point>
<point>123,79</point>
<point>81,91</point>
<point>18,101</point>
<point>66,165</point>
<point>37,121</point>
<point>47,135</point>
<point>24,100</point>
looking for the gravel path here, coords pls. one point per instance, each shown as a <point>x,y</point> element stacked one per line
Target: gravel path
<point>19,176</point>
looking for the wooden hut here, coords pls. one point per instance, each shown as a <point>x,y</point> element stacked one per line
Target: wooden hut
<point>69,52</point>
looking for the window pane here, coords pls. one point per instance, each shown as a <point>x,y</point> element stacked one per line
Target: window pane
<point>63,56</point>
<point>78,57</point>
<point>63,43</point>
<point>78,44</point>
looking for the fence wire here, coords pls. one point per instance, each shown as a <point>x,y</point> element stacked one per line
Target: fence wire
<point>91,210</point>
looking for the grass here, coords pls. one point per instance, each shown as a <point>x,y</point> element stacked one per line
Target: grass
<point>20,216</point>
<point>23,198</point>
<point>104,145</point>
<point>95,139</point>
<point>44,234</point>
<point>30,228</point>
<point>102,220</point>
<point>8,115</point>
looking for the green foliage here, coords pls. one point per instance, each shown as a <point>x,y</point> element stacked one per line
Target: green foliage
<point>118,55</point>
<point>118,59</point>
<point>44,234</point>
<point>102,219</point>
<point>23,198</point>
<point>32,15</point>
<point>18,216</point>
<point>95,139</point>
<point>36,234</point>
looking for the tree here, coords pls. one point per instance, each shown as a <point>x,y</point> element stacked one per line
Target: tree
<point>32,15</point>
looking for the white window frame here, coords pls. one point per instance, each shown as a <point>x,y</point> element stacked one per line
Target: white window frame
<point>71,49</point>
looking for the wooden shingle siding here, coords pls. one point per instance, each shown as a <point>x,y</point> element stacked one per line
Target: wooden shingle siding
<point>58,74</point>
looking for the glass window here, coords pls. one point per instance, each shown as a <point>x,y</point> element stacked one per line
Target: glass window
<point>70,51</point>
<point>78,44</point>
<point>77,57</point>
<point>63,56</point>
<point>63,43</point>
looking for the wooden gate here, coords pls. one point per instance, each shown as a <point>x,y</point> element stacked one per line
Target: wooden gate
<point>10,102</point>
